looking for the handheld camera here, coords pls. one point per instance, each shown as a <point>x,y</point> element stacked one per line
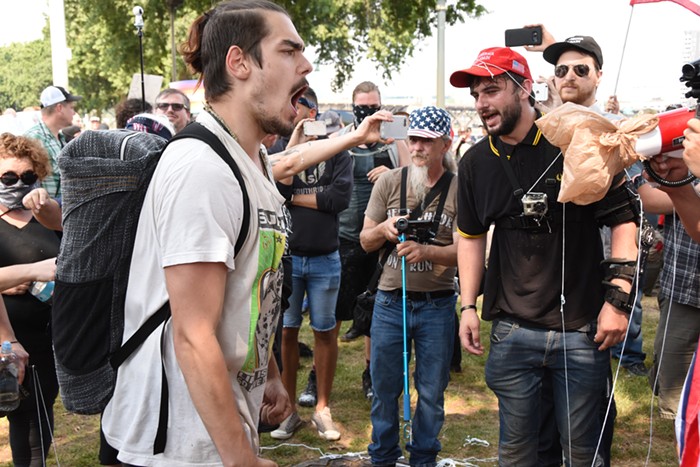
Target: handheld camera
<point>690,75</point>
<point>417,230</point>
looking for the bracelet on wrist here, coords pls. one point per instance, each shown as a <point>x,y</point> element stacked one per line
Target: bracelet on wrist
<point>467,307</point>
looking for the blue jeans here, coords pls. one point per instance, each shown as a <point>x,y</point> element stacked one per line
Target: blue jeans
<point>430,324</point>
<point>319,278</point>
<point>517,362</point>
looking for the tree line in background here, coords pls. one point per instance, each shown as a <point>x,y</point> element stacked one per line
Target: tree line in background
<point>105,46</point>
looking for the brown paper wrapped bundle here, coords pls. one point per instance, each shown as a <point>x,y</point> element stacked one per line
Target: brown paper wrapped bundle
<point>594,148</point>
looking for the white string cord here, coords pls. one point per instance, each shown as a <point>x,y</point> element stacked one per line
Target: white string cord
<point>486,66</point>
<point>658,364</point>
<point>444,462</point>
<point>634,290</point>
<point>563,323</point>
<point>39,400</point>
<point>538,181</point>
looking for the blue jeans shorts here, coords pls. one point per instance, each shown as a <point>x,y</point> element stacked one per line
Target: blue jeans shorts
<point>319,278</point>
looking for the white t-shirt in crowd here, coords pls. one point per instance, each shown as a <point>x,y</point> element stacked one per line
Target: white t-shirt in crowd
<point>192,213</point>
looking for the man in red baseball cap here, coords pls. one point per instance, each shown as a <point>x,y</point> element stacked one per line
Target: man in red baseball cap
<point>553,314</point>
<point>500,68</point>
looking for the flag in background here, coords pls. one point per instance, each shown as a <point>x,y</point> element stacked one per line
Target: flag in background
<point>689,4</point>
<point>687,417</point>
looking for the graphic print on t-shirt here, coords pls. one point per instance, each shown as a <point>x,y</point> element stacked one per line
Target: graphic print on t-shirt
<point>265,299</point>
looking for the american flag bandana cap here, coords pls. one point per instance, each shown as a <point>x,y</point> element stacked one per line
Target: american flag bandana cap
<point>429,122</point>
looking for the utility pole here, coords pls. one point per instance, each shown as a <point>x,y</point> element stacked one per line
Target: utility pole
<point>172,6</point>
<point>59,49</point>
<point>441,7</point>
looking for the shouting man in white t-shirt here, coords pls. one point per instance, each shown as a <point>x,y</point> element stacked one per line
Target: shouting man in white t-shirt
<point>215,351</point>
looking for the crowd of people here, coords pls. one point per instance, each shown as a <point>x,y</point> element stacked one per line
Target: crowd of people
<point>417,224</point>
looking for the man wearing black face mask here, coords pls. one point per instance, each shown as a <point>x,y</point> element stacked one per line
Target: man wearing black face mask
<point>369,162</point>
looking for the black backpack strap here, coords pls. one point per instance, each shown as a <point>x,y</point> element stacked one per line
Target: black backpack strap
<point>197,131</point>
<point>140,336</point>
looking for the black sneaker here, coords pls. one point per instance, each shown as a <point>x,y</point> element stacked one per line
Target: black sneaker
<point>637,369</point>
<point>351,335</point>
<point>308,397</point>
<point>367,385</point>
<point>305,351</point>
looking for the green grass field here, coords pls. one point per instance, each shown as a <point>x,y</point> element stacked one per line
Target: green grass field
<point>471,414</point>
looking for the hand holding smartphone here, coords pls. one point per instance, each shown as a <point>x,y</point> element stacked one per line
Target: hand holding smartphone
<point>397,129</point>
<point>524,36</point>
<point>315,128</point>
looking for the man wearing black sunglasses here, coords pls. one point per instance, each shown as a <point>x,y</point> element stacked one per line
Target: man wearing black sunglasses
<point>578,63</point>
<point>175,105</point>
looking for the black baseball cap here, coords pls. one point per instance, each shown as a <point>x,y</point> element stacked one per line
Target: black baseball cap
<point>584,44</point>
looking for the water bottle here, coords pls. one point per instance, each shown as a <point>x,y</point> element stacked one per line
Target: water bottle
<point>42,290</point>
<point>9,384</point>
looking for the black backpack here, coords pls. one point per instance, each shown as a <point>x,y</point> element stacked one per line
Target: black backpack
<point>104,178</point>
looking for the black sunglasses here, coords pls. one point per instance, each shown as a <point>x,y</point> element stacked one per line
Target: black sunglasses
<point>165,105</point>
<point>581,70</point>
<point>304,101</point>
<point>11,178</point>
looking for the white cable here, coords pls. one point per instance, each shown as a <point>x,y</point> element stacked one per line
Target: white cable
<point>485,66</point>
<point>635,290</point>
<point>563,322</point>
<point>39,396</point>
<point>668,319</point>
<point>444,462</point>
<point>545,172</point>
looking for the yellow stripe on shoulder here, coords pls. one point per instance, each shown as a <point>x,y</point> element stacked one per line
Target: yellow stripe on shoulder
<point>466,235</point>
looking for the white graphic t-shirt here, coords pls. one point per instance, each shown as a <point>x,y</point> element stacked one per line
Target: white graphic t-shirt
<point>192,213</point>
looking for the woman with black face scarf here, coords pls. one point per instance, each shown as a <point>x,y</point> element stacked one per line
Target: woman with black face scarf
<point>23,164</point>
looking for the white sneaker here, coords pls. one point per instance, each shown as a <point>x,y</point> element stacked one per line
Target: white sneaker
<point>287,427</point>
<point>325,426</point>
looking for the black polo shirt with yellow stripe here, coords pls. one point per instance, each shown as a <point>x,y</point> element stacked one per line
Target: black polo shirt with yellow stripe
<point>524,274</point>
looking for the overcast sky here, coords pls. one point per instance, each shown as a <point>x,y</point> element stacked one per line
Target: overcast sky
<point>650,68</point>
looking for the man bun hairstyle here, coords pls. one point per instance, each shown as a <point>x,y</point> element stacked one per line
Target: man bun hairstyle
<point>234,22</point>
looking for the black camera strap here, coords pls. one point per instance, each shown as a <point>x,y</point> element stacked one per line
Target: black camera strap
<point>442,186</point>
<point>518,191</point>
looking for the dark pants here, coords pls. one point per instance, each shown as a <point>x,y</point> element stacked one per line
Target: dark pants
<point>549,452</point>
<point>31,427</point>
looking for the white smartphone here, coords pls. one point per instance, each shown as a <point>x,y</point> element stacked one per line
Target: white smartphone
<point>316,128</point>
<point>540,91</point>
<point>398,129</point>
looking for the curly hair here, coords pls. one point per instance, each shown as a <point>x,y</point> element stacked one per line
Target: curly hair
<point>21,147</point>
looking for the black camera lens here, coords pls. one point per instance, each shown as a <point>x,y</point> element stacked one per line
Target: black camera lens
<point>401,224</point>
<point>690,71</point>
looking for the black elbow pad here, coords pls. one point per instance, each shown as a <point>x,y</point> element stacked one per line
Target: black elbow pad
<point>621,204</point>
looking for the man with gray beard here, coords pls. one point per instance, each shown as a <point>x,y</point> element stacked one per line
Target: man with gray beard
<point>425,191</point>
